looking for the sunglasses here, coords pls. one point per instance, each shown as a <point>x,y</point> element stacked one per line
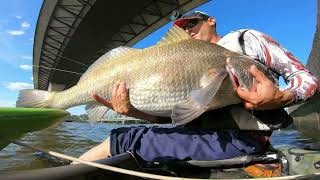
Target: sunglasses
<point>192,23</point>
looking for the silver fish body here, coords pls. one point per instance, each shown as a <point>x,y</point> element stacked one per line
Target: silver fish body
<point>181,79</point>
<point>157,78</point>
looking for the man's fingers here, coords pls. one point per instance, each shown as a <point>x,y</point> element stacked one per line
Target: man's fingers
<point>123,91</point>
<point>102,101</point>
<point>249,106</point>
<point>260,77</point>
<point>122,88</point>
<point>115,90</point>
<point>246,95</point>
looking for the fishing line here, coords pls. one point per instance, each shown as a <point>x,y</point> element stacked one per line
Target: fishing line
<point>56,69</point>
<point>69,59</point>
<point>91,128</point>
<point>92,125</point>
<point>72,145</point>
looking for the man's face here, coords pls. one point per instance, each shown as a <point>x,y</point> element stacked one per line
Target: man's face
<point>202,30</point>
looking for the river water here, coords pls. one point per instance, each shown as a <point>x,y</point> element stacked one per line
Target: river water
<point>73,138</point>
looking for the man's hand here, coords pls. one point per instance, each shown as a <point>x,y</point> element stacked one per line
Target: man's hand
<point>119,101</point>
<point>265,95</point>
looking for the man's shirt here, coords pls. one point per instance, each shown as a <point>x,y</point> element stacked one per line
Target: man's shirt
<point>263,48</point>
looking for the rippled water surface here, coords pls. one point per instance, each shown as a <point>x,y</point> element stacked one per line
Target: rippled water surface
<point>74,138</point>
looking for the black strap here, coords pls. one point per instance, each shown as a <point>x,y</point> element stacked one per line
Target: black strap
<point>241,41</point>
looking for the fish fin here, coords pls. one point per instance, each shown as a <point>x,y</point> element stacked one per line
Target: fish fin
<point>184,113</point>
<point>246,121</point>
<point>34,98</point>
<point>96,111</point>
<point>198,104</point>
<point>112,54</point>
<point>175,34</point>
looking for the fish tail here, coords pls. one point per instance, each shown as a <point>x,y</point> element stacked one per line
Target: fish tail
<point>35,98</point>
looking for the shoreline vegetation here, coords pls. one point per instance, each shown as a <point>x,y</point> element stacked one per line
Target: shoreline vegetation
<point>83,118</point>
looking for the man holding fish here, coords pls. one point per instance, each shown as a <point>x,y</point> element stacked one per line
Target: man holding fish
<point>196,141</point>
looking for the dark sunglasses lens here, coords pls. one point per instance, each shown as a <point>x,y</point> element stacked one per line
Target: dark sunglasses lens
<point>191,24</point>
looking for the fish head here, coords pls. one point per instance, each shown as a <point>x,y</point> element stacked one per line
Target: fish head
<point>239,73</point>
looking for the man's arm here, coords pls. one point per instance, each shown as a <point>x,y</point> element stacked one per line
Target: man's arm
<point>301,84</point>
<point>120,103</point>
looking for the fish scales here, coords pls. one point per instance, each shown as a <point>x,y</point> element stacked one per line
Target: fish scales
<point>187,76</point>
<point>148,73</point>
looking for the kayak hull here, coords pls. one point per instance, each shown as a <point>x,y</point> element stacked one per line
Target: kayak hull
<point>15,122</point>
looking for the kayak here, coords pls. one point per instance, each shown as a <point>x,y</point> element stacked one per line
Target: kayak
<point>306,118</point>
<point>295,163</point>
<point>76,171</point>
<point>14,122</point>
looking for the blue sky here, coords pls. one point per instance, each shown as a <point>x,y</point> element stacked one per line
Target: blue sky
<point>291,23</point>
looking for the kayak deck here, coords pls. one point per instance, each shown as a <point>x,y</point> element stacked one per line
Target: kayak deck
<point>187,169</point>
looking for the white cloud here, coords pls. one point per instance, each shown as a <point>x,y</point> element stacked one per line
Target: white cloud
<point>18,85</point>
<point>25,24</point>
<point>26,57</point>
<point>25,66</point>
<point>16,33</point>
<point>18,17</point>
<point>4,103</point>
<point>31,78</point>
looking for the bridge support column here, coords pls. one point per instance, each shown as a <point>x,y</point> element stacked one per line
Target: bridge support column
<point>56,87</point>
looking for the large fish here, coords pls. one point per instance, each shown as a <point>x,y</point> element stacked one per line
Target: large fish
<point>179,77</point>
